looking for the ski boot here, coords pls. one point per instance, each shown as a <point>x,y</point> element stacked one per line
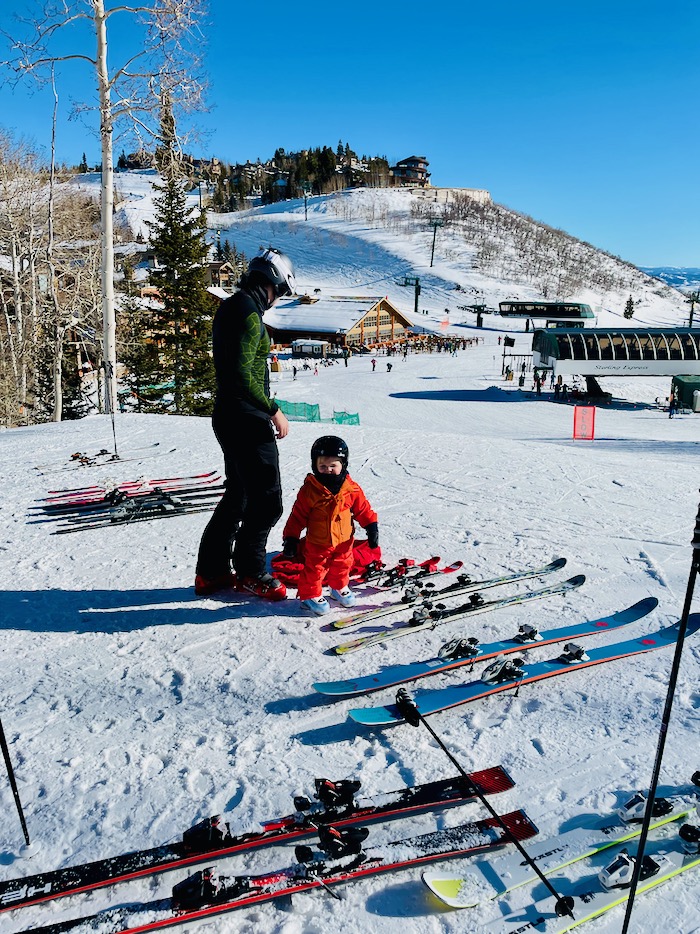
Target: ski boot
<point>264,585</point>
<point>345,597</point>
<point>316,605</point>
<point>203,586</point>
<point>460,648</point>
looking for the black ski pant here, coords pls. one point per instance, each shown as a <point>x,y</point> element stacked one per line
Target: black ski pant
<point>252,501</point>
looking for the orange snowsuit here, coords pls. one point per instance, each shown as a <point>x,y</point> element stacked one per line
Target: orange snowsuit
<point>328,520</point>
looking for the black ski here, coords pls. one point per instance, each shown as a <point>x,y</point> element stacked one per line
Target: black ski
<point>343,859</point>
<point>212,839</point>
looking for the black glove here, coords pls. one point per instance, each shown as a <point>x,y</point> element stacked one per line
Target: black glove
<point>372,531</point>
<point>289,547</point>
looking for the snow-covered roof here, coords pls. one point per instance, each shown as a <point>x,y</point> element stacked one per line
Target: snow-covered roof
<point>331,314</point>
<point>218,292</point>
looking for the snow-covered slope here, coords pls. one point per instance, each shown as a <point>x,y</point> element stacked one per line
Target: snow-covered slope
<point>366,241</point>
<point>133,708</point>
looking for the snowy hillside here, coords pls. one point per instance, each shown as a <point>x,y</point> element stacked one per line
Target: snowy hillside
<point>132,708</point>
<point>366,241</point>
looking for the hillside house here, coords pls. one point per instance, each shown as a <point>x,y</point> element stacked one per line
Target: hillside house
<point>412,171</point>
<point>342,320</point>
<point>222,275</point>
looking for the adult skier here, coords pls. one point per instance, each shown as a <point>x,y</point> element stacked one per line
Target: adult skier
<point>246,423</point>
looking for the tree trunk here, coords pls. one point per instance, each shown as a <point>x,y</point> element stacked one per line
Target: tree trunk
<point>57,356</point>
<point>108,313</point>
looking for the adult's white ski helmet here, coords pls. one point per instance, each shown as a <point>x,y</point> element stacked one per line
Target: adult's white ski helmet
<point>277,268</point>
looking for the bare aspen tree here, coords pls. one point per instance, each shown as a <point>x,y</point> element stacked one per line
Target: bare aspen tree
<point>166,57</point>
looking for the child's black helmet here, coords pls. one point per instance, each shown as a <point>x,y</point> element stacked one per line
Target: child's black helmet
<point>330,446</point>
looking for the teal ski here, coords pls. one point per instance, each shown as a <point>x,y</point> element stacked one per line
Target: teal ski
<point>467,651</point>
<point>514,675</point>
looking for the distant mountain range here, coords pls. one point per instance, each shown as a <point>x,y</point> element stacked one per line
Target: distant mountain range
<point>680,277</point>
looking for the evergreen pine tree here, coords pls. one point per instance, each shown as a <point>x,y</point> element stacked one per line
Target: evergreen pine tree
<point>83,167</point>
<point>629,308</point>
<point>182,326</point>
<point>138,353</point>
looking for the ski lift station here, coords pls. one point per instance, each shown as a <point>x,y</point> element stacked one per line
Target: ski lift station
<point>587,352</point>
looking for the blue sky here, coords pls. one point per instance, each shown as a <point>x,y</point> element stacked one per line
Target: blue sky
<point>581,115</point>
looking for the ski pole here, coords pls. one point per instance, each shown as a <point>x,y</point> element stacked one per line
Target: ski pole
<point>108,372</point>
<point>409,711</point>
<point>665,719</point>
<point>13,783</point>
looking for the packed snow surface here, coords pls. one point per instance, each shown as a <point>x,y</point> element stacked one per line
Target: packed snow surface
<point>133,709</point>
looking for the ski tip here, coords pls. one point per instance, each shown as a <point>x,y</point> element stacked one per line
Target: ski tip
<point>376,716</point>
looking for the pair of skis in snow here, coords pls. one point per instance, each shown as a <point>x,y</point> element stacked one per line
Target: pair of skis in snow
<point>59,500</point>
<point>512,676</point>
<point>335,804</point>
<point>342,858</point>
<point>593,894</point>
<point>428,615</point>
<point>104,457</point>
<point>418,590</point>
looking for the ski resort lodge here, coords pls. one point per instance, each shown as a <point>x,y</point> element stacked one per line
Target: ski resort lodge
<point>340,320</point>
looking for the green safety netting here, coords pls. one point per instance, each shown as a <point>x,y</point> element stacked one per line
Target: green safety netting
<point>300,411</point>
<point>306,412</point>
<point>346,418</point>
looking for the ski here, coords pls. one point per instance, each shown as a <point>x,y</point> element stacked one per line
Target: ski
<point>464,584</point>
<point>205,895</point>
<point>109,462</point>
<point>121,501</point>
<point>431,702</point>
<point>407,572</point>
<point>497,877</point>
<point>428,617</point>
<point>460,652</point>
<point>335,803</point>
<point>98,490</point>
<point>80,456</point>
<point>167,511</point>
<point>98,496</point>
<point>663,860</point>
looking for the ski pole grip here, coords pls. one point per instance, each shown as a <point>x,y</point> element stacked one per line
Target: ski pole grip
<point>407,707</point>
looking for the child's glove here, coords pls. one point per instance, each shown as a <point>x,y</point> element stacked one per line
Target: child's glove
<point>372,531</point>
<point>289,547</point>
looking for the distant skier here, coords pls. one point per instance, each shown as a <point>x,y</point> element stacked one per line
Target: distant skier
<point>388,368</point>
<point>374,364</point>
<point>326,505</point>
<point>672,404</point>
